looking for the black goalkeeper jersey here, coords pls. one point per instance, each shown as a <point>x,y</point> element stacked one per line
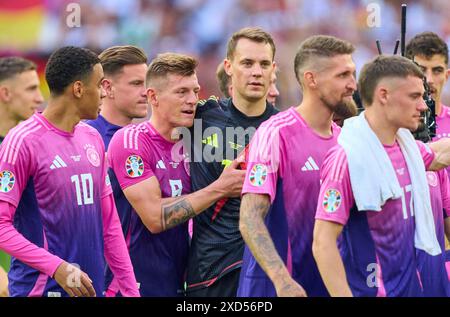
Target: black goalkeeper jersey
<point>217,246</point>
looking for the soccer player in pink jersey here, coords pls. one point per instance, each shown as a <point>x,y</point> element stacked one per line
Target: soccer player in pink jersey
<point>377,224</point>
<point>20,96</point>
<point>430,52</point>
<point>57,214</point>
<point>282,181</point>
<point>151,172</point>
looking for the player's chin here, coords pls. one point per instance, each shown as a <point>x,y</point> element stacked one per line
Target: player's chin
<point>186,123</point>
<point>140,114</point>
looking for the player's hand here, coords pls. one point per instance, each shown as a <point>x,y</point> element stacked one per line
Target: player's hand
<point>3,283</point>
<point>74,281</point>
<point>232,179</point>
<point>290,288</point>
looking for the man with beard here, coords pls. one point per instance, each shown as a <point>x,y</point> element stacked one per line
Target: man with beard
<point>282,181</point>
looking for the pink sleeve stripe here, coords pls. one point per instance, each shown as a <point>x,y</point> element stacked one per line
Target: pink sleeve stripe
<point>130,138</point>
<point>12,145</point>
<point>15,244</point>
<point>447,267</point>
<point>39,287</point>
<point>379,275</point>
<point>43,122</point>
<point>115,249</point>
<point>339,167</point>
<point>267,139</point>
<point>113,288</point>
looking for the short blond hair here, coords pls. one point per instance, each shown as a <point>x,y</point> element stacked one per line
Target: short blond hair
<point>170,63</point>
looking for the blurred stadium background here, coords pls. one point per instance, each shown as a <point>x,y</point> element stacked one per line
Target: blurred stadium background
<point>34,28</point>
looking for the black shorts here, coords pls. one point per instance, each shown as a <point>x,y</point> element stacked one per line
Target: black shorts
<point>226,286</point>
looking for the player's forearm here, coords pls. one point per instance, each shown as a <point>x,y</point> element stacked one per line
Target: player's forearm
<point>15,244</point>
<point>116,253</point>
<point>330,266</point>
<point>3,283</point>
<point>254,208</point>
<point>175,211</point>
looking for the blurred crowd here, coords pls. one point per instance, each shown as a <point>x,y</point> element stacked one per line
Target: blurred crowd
<point>202,27</point>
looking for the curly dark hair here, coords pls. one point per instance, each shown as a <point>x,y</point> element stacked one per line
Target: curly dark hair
<point>67,65</point>
<point>427,44</point>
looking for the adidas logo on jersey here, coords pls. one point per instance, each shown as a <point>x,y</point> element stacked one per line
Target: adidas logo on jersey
<point>310,165</point>
<point>211,140</point>
<point>161,165</point>
<point>57,163</point>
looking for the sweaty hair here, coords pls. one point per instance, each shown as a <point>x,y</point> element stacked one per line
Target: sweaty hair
<point>384,67</point>
<point>253,34</point>
<point>170,63</point>
<point>223,79</point>
<point>317,46</point>
<point>67,65</point>
<point>427,44</point>
<point>14,65</point>
<point>113,59</point>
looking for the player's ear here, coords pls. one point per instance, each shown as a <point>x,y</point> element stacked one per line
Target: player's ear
<point>381,93</point>
<point>309,79</point>
<point>78,89</point>
<point>152,96</point>
<point>108,88</point>
<point>447,72</point>
<point>227,67</point>
<point>5,94</point>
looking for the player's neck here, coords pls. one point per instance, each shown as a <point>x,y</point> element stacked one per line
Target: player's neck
<point>164,129</point>
<point>319,119</point>
<point>7,122</point>
<point>438,107</point>
<point>250,109</point>
<point>62,114</point>
<point>385,131</point>
<point>113,116</point>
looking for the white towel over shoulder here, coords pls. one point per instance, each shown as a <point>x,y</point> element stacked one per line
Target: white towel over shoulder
<point>374,181</point>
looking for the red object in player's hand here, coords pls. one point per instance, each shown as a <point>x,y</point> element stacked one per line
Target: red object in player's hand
<point>222,202</point>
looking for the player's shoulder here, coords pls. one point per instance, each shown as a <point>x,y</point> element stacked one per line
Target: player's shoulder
<point>132,135</point>
<point>336,155</point>
<point>211,104</point>
<point>25,132</point>
<point>280,121</point>
<point>22,137</point>
<point>445,111</point>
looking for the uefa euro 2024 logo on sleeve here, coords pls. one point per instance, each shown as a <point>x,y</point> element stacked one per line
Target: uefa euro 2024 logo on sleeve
<point>134,166</point>
<point>331,200</point>
<point>258,175</point>
<point>7,180</point>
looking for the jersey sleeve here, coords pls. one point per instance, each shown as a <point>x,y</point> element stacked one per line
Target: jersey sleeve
<point>336,197</point>
<point>128,159</point>
<point>16,166</point>
<point>263,165</point>
<point>427,154</point>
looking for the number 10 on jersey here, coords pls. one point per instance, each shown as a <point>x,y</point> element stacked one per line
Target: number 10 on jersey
<point>84,186</point>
